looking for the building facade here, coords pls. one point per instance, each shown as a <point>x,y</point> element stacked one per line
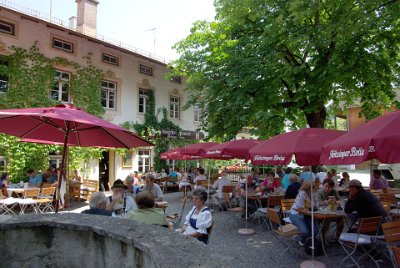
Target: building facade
<point>129,76</point>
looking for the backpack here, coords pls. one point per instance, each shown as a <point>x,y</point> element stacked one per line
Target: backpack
<point>317,247</point>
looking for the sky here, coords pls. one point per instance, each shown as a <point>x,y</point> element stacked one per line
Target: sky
<point>131,21</point>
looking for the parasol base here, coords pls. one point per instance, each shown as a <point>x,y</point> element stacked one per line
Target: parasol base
<point>246,231</point>
<point>312,264</point>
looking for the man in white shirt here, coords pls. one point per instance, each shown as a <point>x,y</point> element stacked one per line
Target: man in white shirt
<point>153,187</point>
<point>220,183</point>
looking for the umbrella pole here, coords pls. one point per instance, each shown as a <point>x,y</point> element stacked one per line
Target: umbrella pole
<point>246,231</point>
<point>62,168</point>
<point>208,182</point>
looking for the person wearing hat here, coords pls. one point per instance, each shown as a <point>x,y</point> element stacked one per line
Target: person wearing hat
<point>119,202</point>
<point>363,202</point>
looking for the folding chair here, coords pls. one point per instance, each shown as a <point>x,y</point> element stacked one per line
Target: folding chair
<point>286,205</point>
<point>391,231</point>
<point>282,232</point>
<point>351,241</point>
<point>29,199</point>
<point>45,200</point>
<point>7,205</point>
<point>226,199</point>
<point>396,253</point>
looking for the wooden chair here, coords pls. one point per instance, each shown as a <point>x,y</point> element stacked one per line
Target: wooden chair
<point>375,192</point>
<point>226,199</point>
<point>283,233</point>
<point>393,191</point>
<point>7,205</point>
<point>89,187</point>
<point>396,253</point>
<point>286,205</point>
<point>391,231</point>
<point>74,191</point>
<point>350,242</point>
<point>45,200</point>
<point>29,200</point>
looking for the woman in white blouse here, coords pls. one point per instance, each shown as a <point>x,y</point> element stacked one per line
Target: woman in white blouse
<point>199,219</point>
<point>303,222</point>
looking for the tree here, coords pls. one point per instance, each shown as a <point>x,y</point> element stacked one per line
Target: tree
<point>264,63</point>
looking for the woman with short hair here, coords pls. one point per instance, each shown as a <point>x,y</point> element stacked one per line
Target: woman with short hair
<point>199,219</point>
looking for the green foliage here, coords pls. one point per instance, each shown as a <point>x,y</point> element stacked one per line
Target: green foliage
<point>31,77</point>
<point>264,63</point>
<point>151,129</point>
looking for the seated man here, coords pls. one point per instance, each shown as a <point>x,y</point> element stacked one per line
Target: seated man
<point>293,188</point>
<point>199,177</point>
<point>98,204</point>
<point>363,202</point>
<point>326,192</point>
<point>146,212</point>
<point>34,179</point>
<point>131,188</point>
<point>220,183</point>
<point>378,182</point>
<point>119,202</point>
<point>153,188</point>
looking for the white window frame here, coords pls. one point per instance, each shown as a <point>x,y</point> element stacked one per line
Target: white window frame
<point>174,107</point>
<point>110,89</point>
<point>63,45</point>
<point>198,113</point>
<point>62,79</point>
<point>144,98</point>
<point>176,79</point>
<point>144,161</point>
<point>110,59</point>
<point>5,24</point>
<point>147,70</point>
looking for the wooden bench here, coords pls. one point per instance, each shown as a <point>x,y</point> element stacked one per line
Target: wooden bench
<point>89,187</point>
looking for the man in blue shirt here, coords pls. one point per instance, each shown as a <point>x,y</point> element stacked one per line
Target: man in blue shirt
<point>34,179</point>
<point>307,175</point>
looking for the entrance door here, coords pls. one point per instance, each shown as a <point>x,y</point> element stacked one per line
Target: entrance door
<point>104,172</point>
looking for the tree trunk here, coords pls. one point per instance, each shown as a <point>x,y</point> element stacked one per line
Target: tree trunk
<point>316,119</point>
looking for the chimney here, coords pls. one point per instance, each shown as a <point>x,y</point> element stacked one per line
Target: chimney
<point>87,16</point>
<point>72,23</point>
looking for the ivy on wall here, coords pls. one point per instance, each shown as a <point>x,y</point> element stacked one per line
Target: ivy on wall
<point>30,79</point>
<point>152,128</point>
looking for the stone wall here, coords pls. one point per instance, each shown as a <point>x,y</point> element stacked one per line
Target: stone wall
<point>78,240</point>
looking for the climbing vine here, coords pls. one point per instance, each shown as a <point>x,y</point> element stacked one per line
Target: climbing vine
<point>30,79</point>
<point>152,130</point>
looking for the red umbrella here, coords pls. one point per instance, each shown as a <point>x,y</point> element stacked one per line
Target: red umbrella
<point>305,144</point>
<point>175,154</point>
<point>377,139</point>
<point>231,149</point>
<point>67,125</point>
<point>197,149</point>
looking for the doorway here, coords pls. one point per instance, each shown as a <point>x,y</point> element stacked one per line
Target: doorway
<point>104,172</point>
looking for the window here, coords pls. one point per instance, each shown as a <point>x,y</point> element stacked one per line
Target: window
<point>143,100</point>
<point>174,107</point>
<point>146,70</point>
<point>60,91</point>
<point>108,94</point>
<point>6,27</point>
<point>198,113</point>
<point>63,45</point>
<point>175,79</point>
<point>143,161</point>
<point>3,76</point>
<point>110,59</point>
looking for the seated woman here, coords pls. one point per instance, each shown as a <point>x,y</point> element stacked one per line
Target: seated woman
<point>146,212</point>
<point>184,183</point>
<point>4,183</point>
<point>344,182</point>
<point>270,184</point>
<point>98,204</point>
<point>199,219</point>
<point>302,221</point>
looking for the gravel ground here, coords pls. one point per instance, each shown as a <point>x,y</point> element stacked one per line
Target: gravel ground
<point>255,251</point>
<point>249,251</point>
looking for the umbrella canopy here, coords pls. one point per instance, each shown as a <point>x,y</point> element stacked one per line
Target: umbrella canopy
<point>175,154</point>
<point>231,149</point>
<point>51,124</point>
<point>305,144</point>
<point>377,139</point>
<point>67,125</point>
<point>197,149</point>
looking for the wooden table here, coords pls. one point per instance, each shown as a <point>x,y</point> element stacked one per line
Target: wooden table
<point>321,216</point>
<point>162,204</point>
<point>17,190</point>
